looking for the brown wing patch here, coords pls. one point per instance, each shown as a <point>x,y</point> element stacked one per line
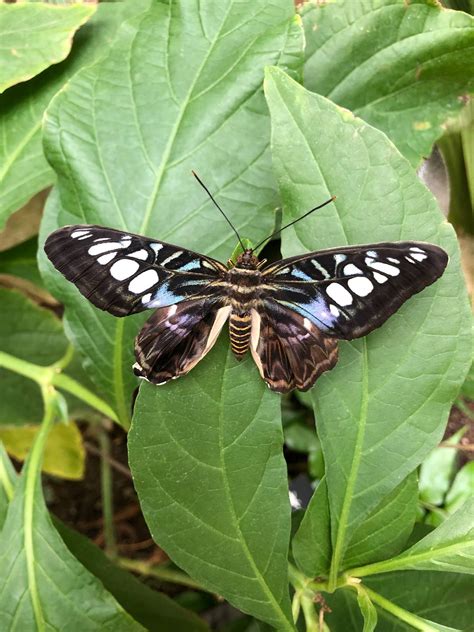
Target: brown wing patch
<point>175,338</point>
<point>289,350</point>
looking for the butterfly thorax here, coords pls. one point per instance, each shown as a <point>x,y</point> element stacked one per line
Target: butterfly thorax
<point>244,281</point>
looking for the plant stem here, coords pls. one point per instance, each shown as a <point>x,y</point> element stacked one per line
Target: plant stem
<point>400,613</point>
<point>160,572</point>
<point>107,494</point>
<point>43,375</point>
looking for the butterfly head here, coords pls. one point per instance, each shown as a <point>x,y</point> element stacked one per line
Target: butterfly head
<point>247,260</point>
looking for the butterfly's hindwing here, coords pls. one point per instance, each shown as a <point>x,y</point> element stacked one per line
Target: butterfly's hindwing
<point>123,273</point>
<point>348,292</point>
<point>289,350</point>
<point>175,338</point>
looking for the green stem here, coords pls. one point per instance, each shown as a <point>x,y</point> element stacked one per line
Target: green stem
<point>399,613</point>
<point>107,494</point>
<point>5,480</point>
<point>165,574</point>
<point>44,375</point>
<point>32,473</point>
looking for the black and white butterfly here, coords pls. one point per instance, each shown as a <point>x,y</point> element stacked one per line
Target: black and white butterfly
<point>290,314</point>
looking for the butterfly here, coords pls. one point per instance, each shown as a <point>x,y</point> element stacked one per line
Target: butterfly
<point>290,314</point>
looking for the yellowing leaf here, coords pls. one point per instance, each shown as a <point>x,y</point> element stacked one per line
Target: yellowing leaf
<point>64,452</point>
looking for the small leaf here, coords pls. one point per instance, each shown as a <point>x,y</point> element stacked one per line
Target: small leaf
<point>437,470</point>
<point>449,547</point>
<point>36,35</point>
<point>462,488</point>
<point>212,482</point>
<point>64,450</point>
<point>385,531</point>
<point>367,608</point>
<point>7,483</point>
<point>311,545</point>
<point>401,66</point>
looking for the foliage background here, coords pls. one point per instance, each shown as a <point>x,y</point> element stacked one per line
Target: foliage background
<point>116,115</point>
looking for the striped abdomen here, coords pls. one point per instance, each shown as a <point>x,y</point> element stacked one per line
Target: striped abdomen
<point>239,331</point>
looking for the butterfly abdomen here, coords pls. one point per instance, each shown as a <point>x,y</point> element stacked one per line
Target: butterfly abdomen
<point>239,332</point>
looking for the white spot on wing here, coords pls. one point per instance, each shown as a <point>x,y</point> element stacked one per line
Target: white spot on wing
<point>206,264</point>
<point>104,259</point>
<point>172,310</point>
<point>175,255</point>
<point>307,324</point>
<point>98,249</point>
<point>372,253</point>
<point>393,260</point>
<point>84,237</point>
<point>79,233</point>
<point>380,278</point>
<point>143,281</point>
<point>416,249</point>
<point>339,258</point>
<point>339,294</point>
<point>146,298</point>
<point>139,254</point>
<point>419,256</point>
<point>124,269</point>
<point>350,268</point>
<point>334,311</point>
<point>382,267</point>
<point>360,286</point>
<point>319,267</point>
<point>156,247</point>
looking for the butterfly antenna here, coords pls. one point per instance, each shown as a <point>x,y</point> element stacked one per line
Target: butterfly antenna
<point>295,220</point>
<point>212,198</point>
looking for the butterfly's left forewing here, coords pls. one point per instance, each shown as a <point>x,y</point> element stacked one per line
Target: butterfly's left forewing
<point>123,273</point>
<point>348,292</point>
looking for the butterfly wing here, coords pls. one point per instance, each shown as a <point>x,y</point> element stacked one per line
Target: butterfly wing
<point>290,352</point>
<point>123,273</point>
<point>348,292</point>
<point>175,338</point>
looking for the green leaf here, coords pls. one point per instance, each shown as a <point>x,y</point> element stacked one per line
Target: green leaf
<point>437,471</point>
<point>124,143</point>
<point>401,66</point>
<point>380,536</point>
<point>212,482</point>
<point>462,488</point>
<point>311,545</point>
<point>34,36</point>
<point>20,261</point>
<point>385,531</point>
<point>384,406</point>
<point>367,608</point>
<point>31,333</point>
<point>7,482</point>
<point>24,170</point>
<point>43,586</point>
<point>154,610</point>
<point>449,547</point>
<point>63,453</point>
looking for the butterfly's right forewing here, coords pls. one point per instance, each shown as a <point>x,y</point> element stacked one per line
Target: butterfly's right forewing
<point>123,273</point>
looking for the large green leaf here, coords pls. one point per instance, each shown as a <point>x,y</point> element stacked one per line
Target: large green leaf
<point>450,547</point>
<point>206,457</point>
<point>24,170</point>
<point>384,406</point>
<point>34,36</point>
<point>180,89</point>
<point>401,66</point>
<point>44,587</point>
